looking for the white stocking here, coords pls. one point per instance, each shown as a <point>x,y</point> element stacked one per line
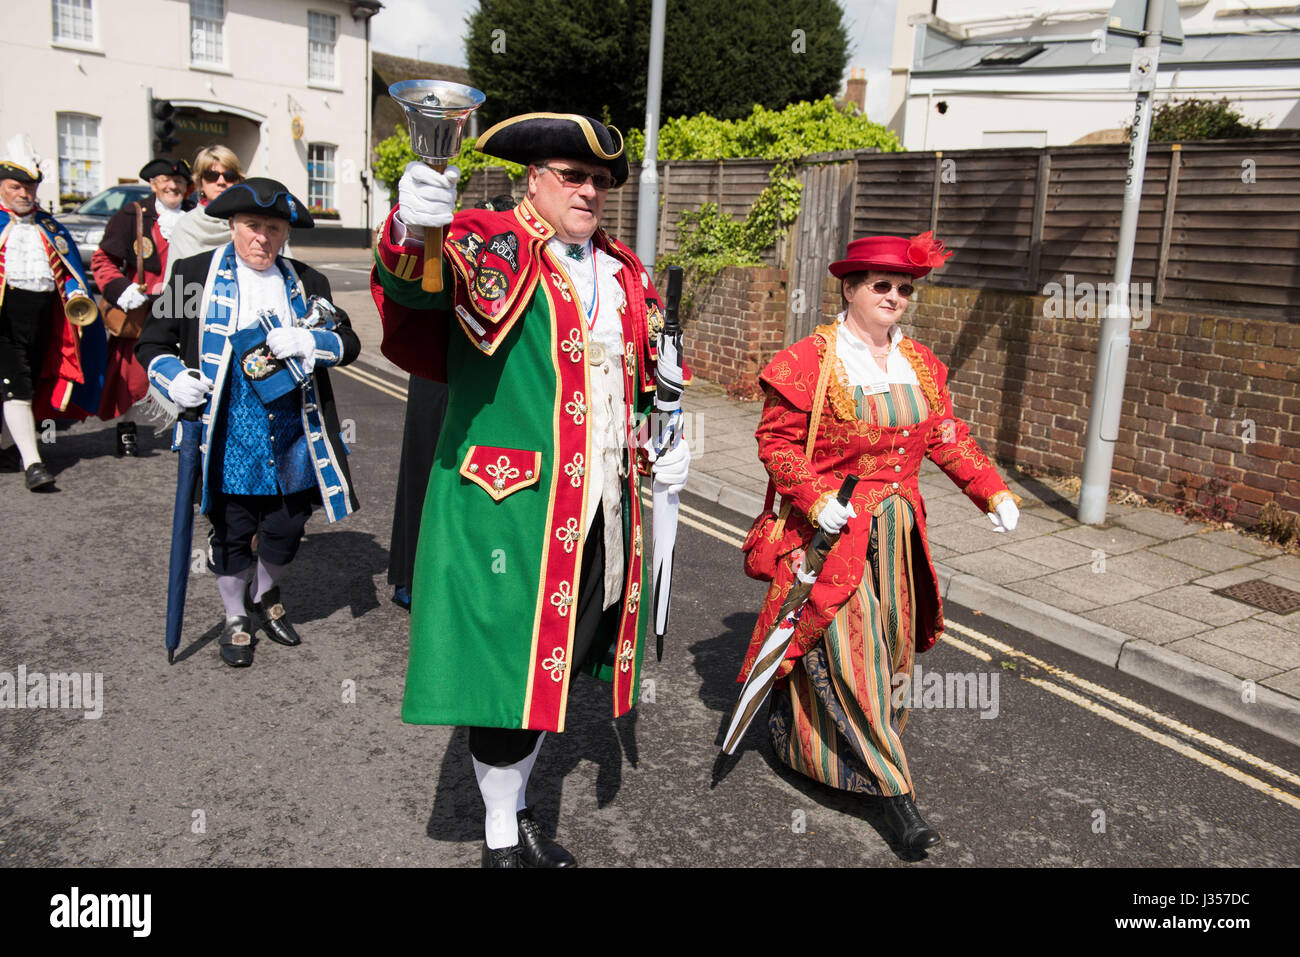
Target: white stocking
<point>501,789</point>
<point>18,416</point>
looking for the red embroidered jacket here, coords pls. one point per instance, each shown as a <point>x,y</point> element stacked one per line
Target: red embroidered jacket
<point>887,461</point>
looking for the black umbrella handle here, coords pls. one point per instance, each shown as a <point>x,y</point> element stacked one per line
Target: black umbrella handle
<point>673,301</point>
<point>846,489</point>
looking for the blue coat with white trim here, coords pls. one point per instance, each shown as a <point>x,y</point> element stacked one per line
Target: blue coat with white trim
<point>180,334</point>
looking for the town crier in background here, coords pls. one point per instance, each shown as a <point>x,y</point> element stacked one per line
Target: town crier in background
<point>137,236</point>
<point>49,366</point>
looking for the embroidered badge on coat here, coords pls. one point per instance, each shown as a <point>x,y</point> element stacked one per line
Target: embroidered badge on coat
<point>50,226</point>
<point>61,245</point>
<point>470,246</point>
<point>491,284</point>
<point>259,363</point>
<point>654,317</point>
<point>506,245</point>
<point>148,247</point>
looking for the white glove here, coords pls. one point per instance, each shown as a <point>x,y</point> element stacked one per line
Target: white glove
<point>1005,516</point>
<point>190,388</point>
<point>426,197</point>
<point>671,468</point>
<point>131,298</point>
<point>291,342</point>
<point>833,516</point>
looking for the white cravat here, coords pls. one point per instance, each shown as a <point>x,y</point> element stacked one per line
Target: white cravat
<point>862,369</point>
<point>608,419</point>
<point>167,218</point>
<point>27,265</point>
<point>260,289</point>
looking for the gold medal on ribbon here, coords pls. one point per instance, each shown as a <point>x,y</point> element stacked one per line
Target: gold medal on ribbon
<point>595,352</point>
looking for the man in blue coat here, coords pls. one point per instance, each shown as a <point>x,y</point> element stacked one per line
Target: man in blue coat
<point>232,323</point>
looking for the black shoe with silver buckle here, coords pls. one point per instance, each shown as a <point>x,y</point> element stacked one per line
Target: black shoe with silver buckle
<point>236,643</point>
<point>501,856</point>
<point>126,440</point>
<point>907,824</point>
<point>271,614</point>
<point>538,850</point>
<point>38,477</point>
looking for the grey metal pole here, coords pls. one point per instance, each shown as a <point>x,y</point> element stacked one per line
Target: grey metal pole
<point>1112,349</point>
<point>647,208</point>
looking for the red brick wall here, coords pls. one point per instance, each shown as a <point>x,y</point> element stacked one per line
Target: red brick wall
<point>735,324</point>
<point>1024,383</point>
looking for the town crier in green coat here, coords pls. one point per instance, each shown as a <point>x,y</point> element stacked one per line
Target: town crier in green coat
<point>533,560</point>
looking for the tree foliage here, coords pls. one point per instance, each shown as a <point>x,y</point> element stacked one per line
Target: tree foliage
<point>798,130</point>
<point>591,56</point>
<point>392,155</point>
<point>1197,119</point>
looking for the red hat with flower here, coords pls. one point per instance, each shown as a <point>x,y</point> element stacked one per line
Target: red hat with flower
<point>915,256</point>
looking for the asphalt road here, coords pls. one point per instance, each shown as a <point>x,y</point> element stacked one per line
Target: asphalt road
<point>200,764</point>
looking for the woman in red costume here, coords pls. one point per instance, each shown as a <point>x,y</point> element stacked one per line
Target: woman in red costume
<point>835,716</point>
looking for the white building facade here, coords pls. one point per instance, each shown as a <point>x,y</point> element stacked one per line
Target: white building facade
<point>283,83</point>
<point>979,73</point>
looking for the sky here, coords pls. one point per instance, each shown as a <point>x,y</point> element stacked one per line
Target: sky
<point>433,30</point>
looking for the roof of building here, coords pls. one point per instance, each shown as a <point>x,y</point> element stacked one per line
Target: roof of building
<point>389,69</point>
<point>941,54</point>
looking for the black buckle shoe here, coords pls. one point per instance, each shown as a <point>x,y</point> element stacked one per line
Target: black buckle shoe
<point>538,850</point>
<point>908,826</point>
<point>236,643</point>
<point>271,614</point>
<point>501,856</point>
<point>38,477</point>
<point>126,440</point>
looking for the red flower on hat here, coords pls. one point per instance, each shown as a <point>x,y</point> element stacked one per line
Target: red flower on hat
<point>925,250</point>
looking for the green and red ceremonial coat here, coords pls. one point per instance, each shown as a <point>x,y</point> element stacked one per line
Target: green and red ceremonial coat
<point>501,538</point>
<point>887,461</point>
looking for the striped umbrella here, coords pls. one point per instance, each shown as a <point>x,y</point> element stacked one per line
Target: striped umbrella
<point>770,656</point>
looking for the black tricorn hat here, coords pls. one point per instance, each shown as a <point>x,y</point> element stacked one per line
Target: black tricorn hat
<point>266,197</point>
<point>166,167</point>
<point>533,136</point>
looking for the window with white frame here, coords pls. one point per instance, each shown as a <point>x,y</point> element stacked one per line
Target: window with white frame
<point>322,36</point>
<point>79,156</point>
<point>74,21</point>
<point>207,32</point>
<point>320,176</point>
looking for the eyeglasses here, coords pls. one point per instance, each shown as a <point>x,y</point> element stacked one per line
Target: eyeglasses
<point>212,175</point>
<point>881,286</point>
<point>576,177</point>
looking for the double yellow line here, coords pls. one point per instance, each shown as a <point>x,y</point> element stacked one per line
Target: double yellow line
<point>1097,693</point>
<point>375,382</point>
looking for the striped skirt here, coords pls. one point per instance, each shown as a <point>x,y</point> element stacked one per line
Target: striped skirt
<point>837,716</point>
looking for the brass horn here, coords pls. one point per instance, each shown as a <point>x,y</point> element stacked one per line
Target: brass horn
<point>80,310</point>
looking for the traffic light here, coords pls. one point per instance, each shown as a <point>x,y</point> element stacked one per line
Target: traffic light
<point>164,127</point>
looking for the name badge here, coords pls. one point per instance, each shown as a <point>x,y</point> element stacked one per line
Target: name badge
<point>879,388</point>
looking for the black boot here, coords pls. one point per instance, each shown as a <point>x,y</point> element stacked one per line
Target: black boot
<point>502,856</point>
<point>538,850</point>
<point>38,478</point>
<point>905,820</point>
<point>126,444</point>
<point>276,623</point>
<point>236,643</point>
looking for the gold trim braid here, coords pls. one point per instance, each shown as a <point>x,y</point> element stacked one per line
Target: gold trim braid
<point>929,387</point>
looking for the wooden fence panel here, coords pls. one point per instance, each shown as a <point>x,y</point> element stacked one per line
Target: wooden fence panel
<point>985,213</point>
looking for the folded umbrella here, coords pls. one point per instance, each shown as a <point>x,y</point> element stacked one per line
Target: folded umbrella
<point>772,653</point>
<point>668,403</point>
<point>187,476</point>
